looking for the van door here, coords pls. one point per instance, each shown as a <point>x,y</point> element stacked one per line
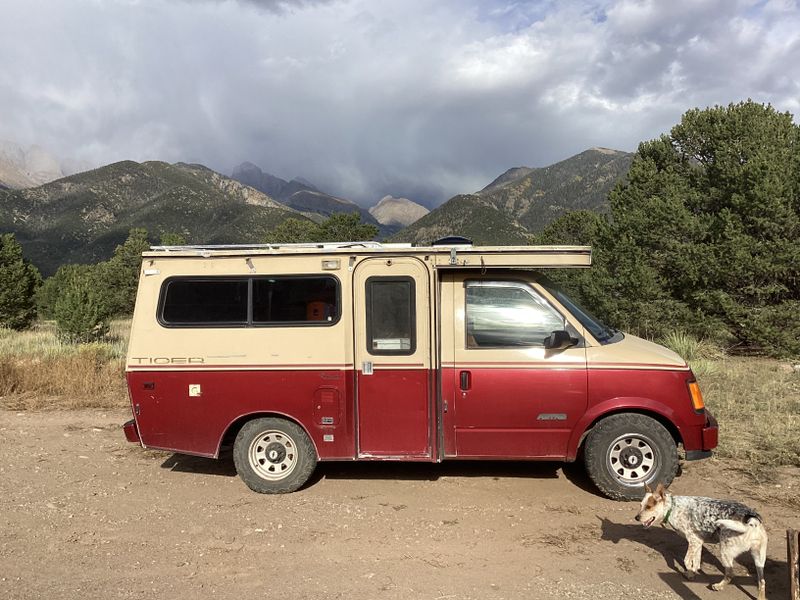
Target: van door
<point>393,357</point>
<point>510,397</point>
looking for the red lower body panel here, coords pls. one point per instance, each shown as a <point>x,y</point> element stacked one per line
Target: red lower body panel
<point>394,413</point>
<point>190,411</point>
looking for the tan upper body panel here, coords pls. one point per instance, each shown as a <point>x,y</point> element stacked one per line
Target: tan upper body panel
<point>455,347</point>
<point>330,346</point>
<point>312,346</point>
<point>630,352</point>
<point>633,353</point>
<point>404,267</point>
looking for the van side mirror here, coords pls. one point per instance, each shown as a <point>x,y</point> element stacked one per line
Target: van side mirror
<point>559,340</point>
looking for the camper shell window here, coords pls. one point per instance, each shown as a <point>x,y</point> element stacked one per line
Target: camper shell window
<point>391,316</point>
<point>293,300</point>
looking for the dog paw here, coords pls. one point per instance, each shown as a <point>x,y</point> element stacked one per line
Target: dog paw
<point>718,587</point>
<point>689,575</point>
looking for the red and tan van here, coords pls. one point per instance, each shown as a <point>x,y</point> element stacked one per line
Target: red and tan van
<point>296,354</point>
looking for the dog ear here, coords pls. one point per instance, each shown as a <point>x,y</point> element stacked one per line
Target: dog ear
<point>660,489</point>
<point>648,489</point>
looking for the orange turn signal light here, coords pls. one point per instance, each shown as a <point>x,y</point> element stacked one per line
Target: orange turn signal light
<point>697,396</point>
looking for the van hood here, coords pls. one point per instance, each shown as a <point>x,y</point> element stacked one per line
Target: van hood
<point>635,351</point>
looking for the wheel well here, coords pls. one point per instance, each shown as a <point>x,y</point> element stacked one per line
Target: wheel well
<point>233,429</point>
<point>668,425</point>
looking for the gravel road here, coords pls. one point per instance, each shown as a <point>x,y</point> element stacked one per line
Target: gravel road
<point>85,515</point>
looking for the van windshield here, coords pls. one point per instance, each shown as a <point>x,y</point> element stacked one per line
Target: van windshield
<point>601,332</point>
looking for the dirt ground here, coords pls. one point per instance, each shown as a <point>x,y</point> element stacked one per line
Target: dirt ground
<point>84,515</point>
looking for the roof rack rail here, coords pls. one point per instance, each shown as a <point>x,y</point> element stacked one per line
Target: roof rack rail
<point>321,245</point>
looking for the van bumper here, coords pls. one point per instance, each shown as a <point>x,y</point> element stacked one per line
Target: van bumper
<point>131,432</point>
<point>710,437</point>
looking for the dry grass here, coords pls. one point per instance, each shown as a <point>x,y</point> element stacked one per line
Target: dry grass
<point>757,404</point>
<point>40,371</point>
<point>756,400</point>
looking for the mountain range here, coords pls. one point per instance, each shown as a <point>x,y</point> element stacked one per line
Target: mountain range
<point>82,217</point>
<point>524,200</point>
<point>298,194</point>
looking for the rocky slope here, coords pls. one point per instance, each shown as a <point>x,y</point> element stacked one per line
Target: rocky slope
<point>23,168</point>
<point>82,218</point>
<point>524,200</point>
<point>299,194</point>
<point>397,212</point>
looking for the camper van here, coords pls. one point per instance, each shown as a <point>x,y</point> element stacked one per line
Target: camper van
<point>295,354</point>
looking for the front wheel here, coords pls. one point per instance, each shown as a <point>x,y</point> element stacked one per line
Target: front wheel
<point>626,451</point>
<point>273,456</point>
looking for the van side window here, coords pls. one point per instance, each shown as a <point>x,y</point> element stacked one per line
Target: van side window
<point>294,299</point>
<point>210,301</point>
<point>507,315</point>
<point>250,301</point>
<point>391,315</point>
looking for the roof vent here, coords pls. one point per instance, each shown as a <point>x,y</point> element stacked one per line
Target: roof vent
<point>452,240</point>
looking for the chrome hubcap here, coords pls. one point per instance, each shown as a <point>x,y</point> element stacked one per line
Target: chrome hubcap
<point>631,459</point>
<point>273,455</point>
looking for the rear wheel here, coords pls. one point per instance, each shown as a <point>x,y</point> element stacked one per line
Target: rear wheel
<point>626,451</point>
<point>273,456</point>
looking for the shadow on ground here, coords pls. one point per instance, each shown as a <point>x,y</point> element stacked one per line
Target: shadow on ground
<point>418,471</point>
<point>408,471</point>
<point>183,463</point>
<point>672,547</point>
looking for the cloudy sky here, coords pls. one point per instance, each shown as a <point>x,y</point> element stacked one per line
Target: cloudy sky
<point>422,98</point>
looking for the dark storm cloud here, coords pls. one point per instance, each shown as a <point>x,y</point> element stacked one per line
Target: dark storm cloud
<point>422,98</point>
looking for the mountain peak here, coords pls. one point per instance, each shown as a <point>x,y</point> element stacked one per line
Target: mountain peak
<point>523,200</point>
<point>393,211</point>
<point>602,150</point>
<point>29,167</point>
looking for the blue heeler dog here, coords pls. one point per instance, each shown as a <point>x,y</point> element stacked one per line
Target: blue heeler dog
<point>736,527</point>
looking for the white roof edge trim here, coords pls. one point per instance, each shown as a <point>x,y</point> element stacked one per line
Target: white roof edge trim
<point>314,248</point>
<point>309,245</point>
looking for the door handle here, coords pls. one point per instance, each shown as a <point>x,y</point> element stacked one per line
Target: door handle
<point>466,380</point>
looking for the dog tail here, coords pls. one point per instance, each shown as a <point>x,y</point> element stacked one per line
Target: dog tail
<point>738,526</point>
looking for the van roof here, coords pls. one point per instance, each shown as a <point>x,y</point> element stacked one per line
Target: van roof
<point>456,255</point>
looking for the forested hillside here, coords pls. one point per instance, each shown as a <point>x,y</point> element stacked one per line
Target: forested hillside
<point>524,200</point>
<point>82,218</point>
<point>703,235</point>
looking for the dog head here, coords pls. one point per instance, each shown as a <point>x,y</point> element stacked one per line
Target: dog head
<point>654,506</point>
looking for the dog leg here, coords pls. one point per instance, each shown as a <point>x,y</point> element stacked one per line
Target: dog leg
<point>693,556</point>
<point>727,561</point>
<point>720,585</point>
<point>759,554</point>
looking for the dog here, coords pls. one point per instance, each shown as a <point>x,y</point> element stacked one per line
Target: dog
<point>737,527</point>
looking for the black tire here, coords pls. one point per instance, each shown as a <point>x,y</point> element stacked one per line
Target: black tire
<point>273,456</point>
<point>626,451</point>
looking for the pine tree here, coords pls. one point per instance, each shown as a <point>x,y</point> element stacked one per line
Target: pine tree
<point>704,233</point>
<point>346,227</point>
<point>19,280</point>
<point>340,227</point>
<point>118,277</point>
<point>80,311</point>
